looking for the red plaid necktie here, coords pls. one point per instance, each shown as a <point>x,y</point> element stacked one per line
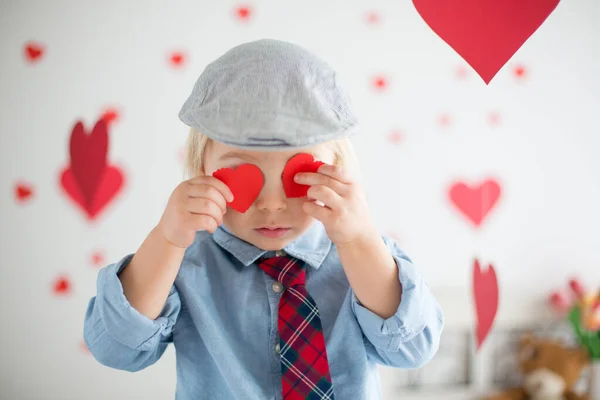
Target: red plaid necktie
<point>302,351</point>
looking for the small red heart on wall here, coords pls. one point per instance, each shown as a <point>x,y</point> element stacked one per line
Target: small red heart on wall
<point>177,58</point>
<point>380,82</point>
<point>485,293</point>
<point>23,192</point>
<point>302,162</point>
<point>475,203</point>
<point>520,72</point>
<point>110,115</point>
<point>243,13</point>
<point>97,258</point>
<point>33,51</point>
<point>62,286</point>
<point>485,33</point>
<point>373,17</point>
<point>245,182</point>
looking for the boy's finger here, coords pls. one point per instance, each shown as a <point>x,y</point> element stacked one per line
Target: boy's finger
<point>218,184</point>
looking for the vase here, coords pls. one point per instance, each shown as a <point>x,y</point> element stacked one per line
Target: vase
<point>595,380</point>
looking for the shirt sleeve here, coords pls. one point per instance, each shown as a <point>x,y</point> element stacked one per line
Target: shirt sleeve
<point>409,338</point>
<point>116,333</point>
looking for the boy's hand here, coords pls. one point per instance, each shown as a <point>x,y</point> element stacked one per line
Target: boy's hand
<point>196,204</point>
<point>346,212</point>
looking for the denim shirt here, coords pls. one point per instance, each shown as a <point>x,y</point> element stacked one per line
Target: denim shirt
<point>222,311</point>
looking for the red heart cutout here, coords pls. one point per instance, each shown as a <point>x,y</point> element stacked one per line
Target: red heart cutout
<point>302,162</point>
<point>23,191</point>
<point>485,33</point>
<point>110,115</point>
<point>243,12</point>
<point>245,182</point>
<point>33,51</point>
<point>88,158</point>
<point>485,293</point>
<point>177,58</point>
<point>97,258</point>
<point>62,286</point>
<point>475,203</point>
<point>110,184</point>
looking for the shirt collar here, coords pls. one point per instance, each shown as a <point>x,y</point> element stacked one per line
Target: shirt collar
<point>311,247</point>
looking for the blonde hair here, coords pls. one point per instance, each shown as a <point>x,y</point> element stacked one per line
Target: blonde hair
<point>195,147</point>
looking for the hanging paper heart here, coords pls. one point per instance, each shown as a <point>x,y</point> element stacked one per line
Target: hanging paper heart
<point>485,294</point>
<point>485,33</point>
<point>302,162</point>
<point>245,182</point>
<point>475,203</point>
<point>110,185</point>
<point>88,157</point>
<point>88,179</point>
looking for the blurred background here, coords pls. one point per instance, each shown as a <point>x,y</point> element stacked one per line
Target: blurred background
<point>455,170</point>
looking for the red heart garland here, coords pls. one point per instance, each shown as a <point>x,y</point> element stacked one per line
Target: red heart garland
<point>245,182</point>
<point>485,293</point>
<point>302,162</point>
<point>485,33</point>
<point>475,203</point>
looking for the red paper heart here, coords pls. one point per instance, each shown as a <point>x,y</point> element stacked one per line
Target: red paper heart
<point>243,13</point>
<point>475,203</point>
<point>33,51</point>
<point>110,184</point>
<point>62,286</point>
<point>373,17</point>
<point>485,294</point>
<point>110,115</point>
<point>23,192</point>
<point>485,33</point>
<point>245,182</point>
<point>97,258</point>
<point>88,158</point>
<point>177,58</point>
<point>380,82</point>
<point>302,162</point>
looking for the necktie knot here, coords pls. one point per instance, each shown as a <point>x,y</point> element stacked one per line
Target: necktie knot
<point>285,269</point>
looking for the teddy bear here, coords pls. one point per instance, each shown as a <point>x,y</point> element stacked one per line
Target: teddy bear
<point>550,371</point>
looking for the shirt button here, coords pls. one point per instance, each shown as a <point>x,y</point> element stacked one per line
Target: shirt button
<point>277,348</point>
<point>277,287</point>
<point>279,253</point>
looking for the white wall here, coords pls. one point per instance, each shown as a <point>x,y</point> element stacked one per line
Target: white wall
<point>543,151</point>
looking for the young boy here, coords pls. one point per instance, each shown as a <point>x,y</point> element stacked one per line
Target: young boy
<point>293,296</point>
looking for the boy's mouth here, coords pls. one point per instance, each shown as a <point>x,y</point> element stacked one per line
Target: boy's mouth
<point>271,231</point>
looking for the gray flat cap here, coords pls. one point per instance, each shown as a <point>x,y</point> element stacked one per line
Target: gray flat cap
<point>268,95</point>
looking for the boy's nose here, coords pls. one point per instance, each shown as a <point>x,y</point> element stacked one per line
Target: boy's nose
<point>272,198</point>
